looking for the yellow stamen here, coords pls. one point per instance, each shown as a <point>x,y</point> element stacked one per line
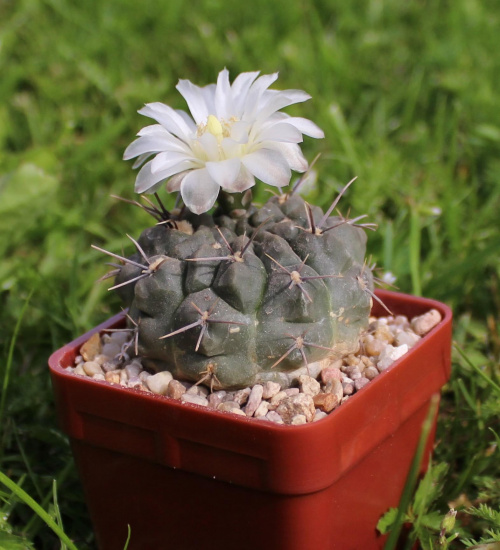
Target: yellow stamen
<point>214,126</point>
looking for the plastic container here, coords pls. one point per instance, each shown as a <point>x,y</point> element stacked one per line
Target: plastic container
<point>188,478</point>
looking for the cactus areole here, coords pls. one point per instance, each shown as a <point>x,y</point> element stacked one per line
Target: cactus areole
<point>243,294</point>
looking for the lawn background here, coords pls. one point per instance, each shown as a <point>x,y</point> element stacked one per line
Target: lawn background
<point>407,93</point>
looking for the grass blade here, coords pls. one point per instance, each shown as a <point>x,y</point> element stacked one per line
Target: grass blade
<point>24,497</point>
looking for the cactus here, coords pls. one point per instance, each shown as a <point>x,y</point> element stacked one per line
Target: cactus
<point>238,298</point>
<point>245,294</point>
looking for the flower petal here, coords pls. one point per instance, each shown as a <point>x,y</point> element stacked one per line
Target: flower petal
<point>254,94</point>
<point>280,132</point>
<point>224,172</point>
<point>165,161</point>
<point>273,101</point>
<point>169,118</point>
<point>244,181</point>
<point>147,181</point>
<point>239,90</point>
<point>224,108</point>
<point>153,144</point>
<point>306,126</point>
<point>269,165</point>
<point>174,183</point>
<point>196,98</point>
<point>199,191</point>
<point>292,153</point>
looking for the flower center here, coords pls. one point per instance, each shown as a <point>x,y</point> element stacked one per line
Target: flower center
<point>218,128</point>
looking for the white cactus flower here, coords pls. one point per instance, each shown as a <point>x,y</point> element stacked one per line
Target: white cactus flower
<point>236,134</point>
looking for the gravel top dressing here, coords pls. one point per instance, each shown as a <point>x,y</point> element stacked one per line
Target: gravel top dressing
<point>319,387</point>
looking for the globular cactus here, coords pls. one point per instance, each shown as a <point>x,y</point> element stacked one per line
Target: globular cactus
<point>232,299</point>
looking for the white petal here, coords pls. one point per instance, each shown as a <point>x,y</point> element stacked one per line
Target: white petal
<point>169,118</point>
<point>199,191</point>
<point>268,165</point>
<point>231,148</point>
<point>280,132</point>
<point>254,95</point>
<point>273,101</point>
<point>196,99</point>
<point>174,183</point>
<point>306,126</point>
<point>223,99</point>
<point>292,153</point>
<point>224,172</point>
<point>165,161</point>
<point>244,181</point>
<point>140,160</point>
<point>239,90</point>
<point>210,146</point>
<point>147,180</point>
<point>239,131</point>
<point>152,144</point>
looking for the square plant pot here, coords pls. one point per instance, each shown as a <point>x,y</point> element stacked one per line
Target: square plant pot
<point>185,477</point>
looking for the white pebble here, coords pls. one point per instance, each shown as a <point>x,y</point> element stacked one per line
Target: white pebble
<point>389,355</point>
<point>424,323</point>
<point>194,399</point>
<point>298,419</point>
<point>111,349</point>
<point>158,383</point>
<point>91,368</point>
<point>309,385</point>
<point>254,399</point>
<point>270,389</point>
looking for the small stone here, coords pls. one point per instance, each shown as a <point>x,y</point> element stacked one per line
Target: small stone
<point>123,377</point>
<point>361,383</point>
<point>98,376</point>
<point>335,388</point>
<point>262,409</point>
<point>372,347</point>
<point>270,389</point>
<point>91,348</point>
<point>158,383</point>
<point>144,375</point>
<point>330,373</point>
<point>384,334</point>
<point>291,391</point>
<point>227,405</point>
<point>254,399</point>
<point>273,416</point>
<point>216,398</point>
<point>352,360</point>
<point>194,399</point>
<point>370,373</point>
<point>319,415</point>
<point>69,369</point>
<point>298,419</point>
<point>79,359</point>
<point>407,337</point>
<point>119,337</point>
<point>424,323</point>
<point>109,365</point>
<point>352,372</point>
<point>296,404</point>
<point>241,396</point>
<point>112,376</point>
<point>389,355</point>
<point>276,399</point>
<point>133,369</point>
<point>347,388</point>
<point>175,389</point>
<point>91,368</point>
<point>111,349</point>
<point>101,359</point>
<point>308,385</point>
<point>326,402</point>
<point>198,390</point>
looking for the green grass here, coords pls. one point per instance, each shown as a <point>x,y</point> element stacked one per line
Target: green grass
<point>407,94</point>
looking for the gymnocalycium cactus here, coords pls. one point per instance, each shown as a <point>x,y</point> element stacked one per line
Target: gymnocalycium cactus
<point>244,294</point>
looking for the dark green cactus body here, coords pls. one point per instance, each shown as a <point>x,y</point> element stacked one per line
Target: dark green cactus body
<point>243,312</point>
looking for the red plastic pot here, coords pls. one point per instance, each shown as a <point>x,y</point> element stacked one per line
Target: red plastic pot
<point>185,478</point>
